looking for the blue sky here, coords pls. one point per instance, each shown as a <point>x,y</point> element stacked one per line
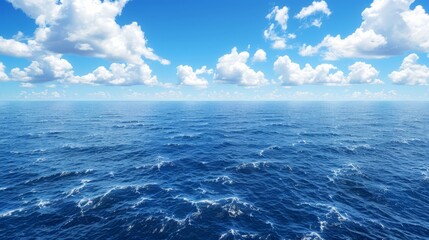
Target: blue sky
<point>205,50</point>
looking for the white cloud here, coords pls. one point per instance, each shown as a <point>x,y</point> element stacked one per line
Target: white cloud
<point>360,44</point>
<point>389,27</point>
<point>361,72</point>
<point>365,95</point>
<point>14,48</point>
<point>100,94</point>
<point>317,8</point>
<point>44,12</point>
<point>314,8</point>
<point>276,31</point>
<point>188,77</point>
<point>3,75</point>
<point>85,28</point>
<point>280,15</point>
<point>118,74</point>
<point>291,73</point>
<point>232,68</point>
<point>316,23</point>
<point>45,68</point>
<point>278,42</point>
<point>27,85</point>
<point>260,56</point>
<point>410,72</point>
<point>45,94</point>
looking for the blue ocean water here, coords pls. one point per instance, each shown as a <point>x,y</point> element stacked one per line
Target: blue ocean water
<point>214,170</point>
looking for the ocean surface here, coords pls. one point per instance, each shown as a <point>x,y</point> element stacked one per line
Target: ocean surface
<point>214,170</point>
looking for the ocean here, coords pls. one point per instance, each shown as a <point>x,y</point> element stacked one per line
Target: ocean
<point>214,170</point>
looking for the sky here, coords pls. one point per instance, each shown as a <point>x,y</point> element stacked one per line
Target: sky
<point>214,50</point>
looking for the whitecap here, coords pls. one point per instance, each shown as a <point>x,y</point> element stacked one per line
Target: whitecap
<point>425,174</point>
<point>312,236</point>
<point>270,148</point>
<point>42,150</point>
<point>77,190</point>
<point>254,165</point>
<point>11,212</point>
<point>230,232</point>
<point>334,213</point>
<point>84,204</point>
<point>41,159</point>
<point>140,202</point>
<point>42,203</point>
<point>222,179</point>
<point>355,147</point>
<point>347,170</point>
<point>163,164</point>
<point>302,141</point>
<point>238,234</point>
<point>322,225</point>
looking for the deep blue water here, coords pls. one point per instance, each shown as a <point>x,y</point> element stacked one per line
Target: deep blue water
<point>231,170</point>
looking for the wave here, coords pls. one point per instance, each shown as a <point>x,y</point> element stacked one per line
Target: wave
<point>221,179</point>
<point>407,141</point>
<point>312,236</point>
<point>77,190</point>
<point>270,148</point>
<point>183,136</point>
<point>318,134</point>
<point>159,166</point>
<point>43,203</point>
<point>250,167</point>
<point>118,194</point>
<point>232,207</point>
<point>59,176</point>
<point>236,234</point>
<point>37,135</point>
<point>425,174</point>
<point>328,216</point>
<point>350,169</point>
<point>11,212</point>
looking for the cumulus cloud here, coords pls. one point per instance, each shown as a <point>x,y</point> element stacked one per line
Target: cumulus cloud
<point>259,56</point>
<point>187,76</point>
<point>45,94</point>
<point>86,28</point>
<point>361,72</point>
<point>44,69</point>
<point>3,75</point>
<point>410,72</point>
<point>383,94</point>
<point>291,73</point>
<point>276,31</point>
<point>359,44</point>
<point>232,68</point>
<point>315,8</point>
<point>44,12</point>
<point>100,94</point>
<point>280,15</point>
<point>15,48</point>
<point>118,74</point>
<point>27,85</point>
<point>389,27</point>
